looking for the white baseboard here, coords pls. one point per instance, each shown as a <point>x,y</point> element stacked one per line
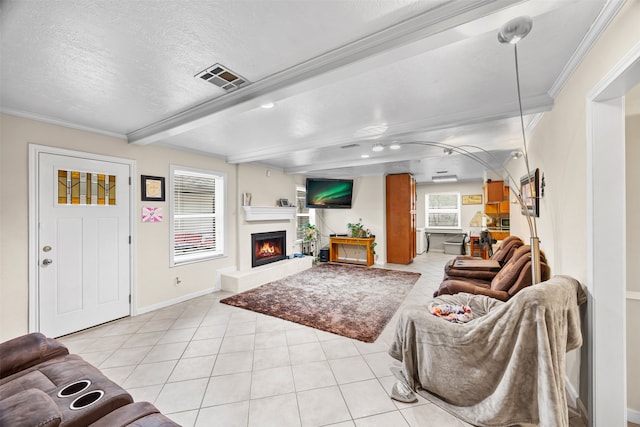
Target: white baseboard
<point>574,401</point>
<point>147,309</point>
<point>576,404</point>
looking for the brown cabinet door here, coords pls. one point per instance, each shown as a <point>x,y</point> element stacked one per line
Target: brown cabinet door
<point>401,218</point>
<point>494,192</point>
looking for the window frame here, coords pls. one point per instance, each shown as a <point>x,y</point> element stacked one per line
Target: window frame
<point>311,212</point>
<point>220,216</point>
<point>428,210</point>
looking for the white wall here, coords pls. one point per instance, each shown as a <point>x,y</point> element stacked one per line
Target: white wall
<point>368,207</point>
<point>558,147</point>
<point>632,146</point>
<point>464,188</point>
<point>466,211</point>
<point>155,280</point>
<point>266,186</point>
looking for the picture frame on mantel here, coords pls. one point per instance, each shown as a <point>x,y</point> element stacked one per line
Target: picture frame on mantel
<point>283,203</point>
<point>152,188</point>
<point>530,192</point>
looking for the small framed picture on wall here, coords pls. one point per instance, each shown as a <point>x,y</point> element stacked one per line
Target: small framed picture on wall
<point>152,188</point>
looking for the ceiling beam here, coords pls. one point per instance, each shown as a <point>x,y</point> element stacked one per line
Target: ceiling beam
<point>428,24</point>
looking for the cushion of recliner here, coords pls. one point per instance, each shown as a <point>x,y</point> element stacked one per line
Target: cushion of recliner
<point>507,249</point>
<point>47,375</point>
<point>526,278</point>
<point>29,408</point>
<point>28,350</point>
<point>510,272</point>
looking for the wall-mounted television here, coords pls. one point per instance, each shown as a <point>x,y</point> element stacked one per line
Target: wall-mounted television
<point>328,193</point>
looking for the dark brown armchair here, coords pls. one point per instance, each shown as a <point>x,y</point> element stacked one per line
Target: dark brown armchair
<point>514,276</point>
<point>502,255</point>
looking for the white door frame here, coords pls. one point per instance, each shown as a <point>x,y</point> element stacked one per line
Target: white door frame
<point>34,151</point>
<point>606,241</point>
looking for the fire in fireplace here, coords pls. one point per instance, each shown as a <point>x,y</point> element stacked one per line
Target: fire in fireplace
<point>268,247</point>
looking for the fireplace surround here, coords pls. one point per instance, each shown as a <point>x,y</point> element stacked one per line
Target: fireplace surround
<point>268,247</point>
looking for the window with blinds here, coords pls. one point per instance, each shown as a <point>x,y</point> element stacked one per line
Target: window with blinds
<point>302,212</point>
<point>197,217</point>
<point>442,210</point>
<point>304,215</point>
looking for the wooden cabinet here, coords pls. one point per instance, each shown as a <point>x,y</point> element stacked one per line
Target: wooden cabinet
<point>497,206</point>
<point>351,250</point>
<point>401,218</point>
<point>493,192</point>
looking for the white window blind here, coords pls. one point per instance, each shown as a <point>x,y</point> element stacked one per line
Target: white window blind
<point>197,215</point>
<point>304,215</point>
<point>302,212</point>
<point>442,210</point>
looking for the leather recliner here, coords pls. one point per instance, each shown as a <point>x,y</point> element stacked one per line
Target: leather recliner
<point>514,276</point>
<point>503,254</point>
<point>42,384</point>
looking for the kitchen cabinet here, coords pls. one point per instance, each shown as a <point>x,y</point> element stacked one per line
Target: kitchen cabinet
<point>401,218</point>
<point>497,206</point>
<point>493,192</point>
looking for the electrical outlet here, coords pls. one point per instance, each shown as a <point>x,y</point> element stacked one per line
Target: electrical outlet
<point>178,281</point>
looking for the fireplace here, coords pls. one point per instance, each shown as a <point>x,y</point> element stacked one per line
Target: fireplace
<point>268,247</point>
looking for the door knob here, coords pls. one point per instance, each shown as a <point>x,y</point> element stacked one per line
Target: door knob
<point>47,261</point>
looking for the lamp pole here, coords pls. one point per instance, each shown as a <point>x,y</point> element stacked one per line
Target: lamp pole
<point>511,33</point>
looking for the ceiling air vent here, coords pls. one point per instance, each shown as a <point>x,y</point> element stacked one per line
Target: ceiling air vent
<point>221,76</point>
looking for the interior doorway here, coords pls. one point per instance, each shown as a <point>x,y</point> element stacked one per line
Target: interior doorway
<point>606,219</point>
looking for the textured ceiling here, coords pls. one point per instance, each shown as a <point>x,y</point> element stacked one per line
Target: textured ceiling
<point>340,72</point>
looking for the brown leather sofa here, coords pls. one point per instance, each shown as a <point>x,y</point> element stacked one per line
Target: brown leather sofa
<point>41,384</point>
<point>514,276</point>
<point>503,254</point>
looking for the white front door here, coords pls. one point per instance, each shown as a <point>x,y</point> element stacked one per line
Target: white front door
<point>83,242</point>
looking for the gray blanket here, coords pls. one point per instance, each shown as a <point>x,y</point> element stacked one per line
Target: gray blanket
<point>504,367</point>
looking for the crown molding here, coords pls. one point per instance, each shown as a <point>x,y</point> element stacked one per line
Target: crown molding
<point>58,122</point>
<point>608,12</point>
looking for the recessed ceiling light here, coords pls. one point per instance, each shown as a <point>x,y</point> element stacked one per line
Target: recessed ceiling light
<point>394,146</point>
<point>365,156</point>
<point>377,147</point>
<point>268,105</point>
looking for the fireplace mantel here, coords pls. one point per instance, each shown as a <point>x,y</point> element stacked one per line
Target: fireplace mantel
<point>268,213</point>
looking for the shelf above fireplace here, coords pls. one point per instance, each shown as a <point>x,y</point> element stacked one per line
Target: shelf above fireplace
<point>268,213</point>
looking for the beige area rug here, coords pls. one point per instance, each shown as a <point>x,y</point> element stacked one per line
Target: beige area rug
<point>352,301</point>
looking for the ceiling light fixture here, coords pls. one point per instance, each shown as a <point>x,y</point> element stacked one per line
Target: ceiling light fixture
<point>394,146</point>
<point>445,178</point>
<point>365,156</point>
<point>516,154</point>
<point>448,151</point>
<point>268,105</point>
<point>377,147</point>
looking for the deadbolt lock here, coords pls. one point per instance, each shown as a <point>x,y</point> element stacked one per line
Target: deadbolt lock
<point>46,249</point>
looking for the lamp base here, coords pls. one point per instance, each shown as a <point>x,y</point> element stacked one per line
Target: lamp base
<point>535,260</point>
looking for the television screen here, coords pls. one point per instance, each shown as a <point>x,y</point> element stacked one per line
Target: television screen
<point>329,193</point>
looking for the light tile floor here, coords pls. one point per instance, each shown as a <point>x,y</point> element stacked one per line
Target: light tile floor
<point>204,363</point>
